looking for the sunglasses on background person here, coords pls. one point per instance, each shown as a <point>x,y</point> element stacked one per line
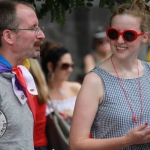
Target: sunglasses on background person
<point>128,35</point>
<point>101,42</point>
<point>65,66</point>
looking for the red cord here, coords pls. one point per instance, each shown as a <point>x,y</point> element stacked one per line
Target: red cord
<point>139,84</point>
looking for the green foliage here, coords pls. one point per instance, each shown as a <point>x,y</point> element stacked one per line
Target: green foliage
<point>58,8</point>
<point>128,1</point>
<point>109,3</point>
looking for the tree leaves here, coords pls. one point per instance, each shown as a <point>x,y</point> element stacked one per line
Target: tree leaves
<point>102,3</point>
<point>128,1</point>
<point>89,4</point>
<point>58,8</point>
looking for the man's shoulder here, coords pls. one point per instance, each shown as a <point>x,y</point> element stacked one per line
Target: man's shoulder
<point>6,75</point>
<point>5,80</point>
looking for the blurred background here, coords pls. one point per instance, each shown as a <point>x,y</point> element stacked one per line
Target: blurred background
<point>77,34</point>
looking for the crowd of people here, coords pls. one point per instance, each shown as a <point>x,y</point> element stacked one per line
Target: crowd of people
<point>109,110</point>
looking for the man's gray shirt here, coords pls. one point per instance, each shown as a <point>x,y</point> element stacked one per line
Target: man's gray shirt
<point>16,119</point>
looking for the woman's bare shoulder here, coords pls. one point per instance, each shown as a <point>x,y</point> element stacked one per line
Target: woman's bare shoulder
<point>92,87</point>
<point>75,86</point>
<point>88,57</point>
<point>92,78</point>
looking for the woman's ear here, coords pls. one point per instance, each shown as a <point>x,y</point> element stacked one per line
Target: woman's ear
<point>145,38</point>
<point>50,67</point>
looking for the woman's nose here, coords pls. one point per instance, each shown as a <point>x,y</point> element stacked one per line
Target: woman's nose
<point>120,39</point>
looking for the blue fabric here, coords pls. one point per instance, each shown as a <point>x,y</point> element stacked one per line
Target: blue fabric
<point>5,62</point>
<point>41,148</point>
<point>114,116</point>
<point>6,67</point>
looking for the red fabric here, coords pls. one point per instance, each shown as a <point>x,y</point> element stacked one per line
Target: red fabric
<point>90,136</point>
<point>21,80</point>
<point>40,124</point>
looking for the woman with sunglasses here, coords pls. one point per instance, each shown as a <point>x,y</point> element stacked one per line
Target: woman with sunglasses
<point>114,101</point>
<point>57,65</point>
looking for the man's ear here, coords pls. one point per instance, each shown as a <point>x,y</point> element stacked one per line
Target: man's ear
<point>7,36</point>
<point>145,38</point>
<point>50,67</point>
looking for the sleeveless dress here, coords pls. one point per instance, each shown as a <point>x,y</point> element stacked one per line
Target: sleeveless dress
<point>62,105</point>
<point>114,116</point>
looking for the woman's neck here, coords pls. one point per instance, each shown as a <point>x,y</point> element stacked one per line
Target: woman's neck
<point>124,64</point>
<point>128,68</point>
<point>55,84</point>
<point>57,89</point>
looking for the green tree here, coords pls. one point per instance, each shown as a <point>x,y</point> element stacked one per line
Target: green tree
<point>58,8</point>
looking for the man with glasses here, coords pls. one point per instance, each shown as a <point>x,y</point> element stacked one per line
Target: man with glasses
<point>20,39</point>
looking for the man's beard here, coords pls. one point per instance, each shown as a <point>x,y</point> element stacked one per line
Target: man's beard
<point>38,43</point>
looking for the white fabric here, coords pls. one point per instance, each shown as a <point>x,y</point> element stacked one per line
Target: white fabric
<point>20,94</point>
<point>62,105</point>
<point>31,87</point>
<point>100,35</point>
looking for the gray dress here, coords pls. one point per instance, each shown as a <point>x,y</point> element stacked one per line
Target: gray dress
<point>114,116</point>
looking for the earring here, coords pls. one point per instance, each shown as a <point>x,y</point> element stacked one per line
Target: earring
<point>49,75</point>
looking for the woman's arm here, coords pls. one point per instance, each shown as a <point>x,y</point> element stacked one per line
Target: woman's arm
<point>89,97</point>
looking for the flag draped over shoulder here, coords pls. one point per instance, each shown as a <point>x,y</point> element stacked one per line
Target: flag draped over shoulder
<point>23,83</point>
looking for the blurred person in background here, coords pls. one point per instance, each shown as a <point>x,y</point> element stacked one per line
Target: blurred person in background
<point>148,53</point>
<point>40,139</point>
<point>101,50</point>
<point>57,65</point>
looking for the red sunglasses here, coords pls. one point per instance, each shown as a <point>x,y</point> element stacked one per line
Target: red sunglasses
<point>65,66</point>
<point>128,35</point>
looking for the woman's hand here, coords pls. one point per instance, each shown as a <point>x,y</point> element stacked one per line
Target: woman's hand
<point>138,135</point>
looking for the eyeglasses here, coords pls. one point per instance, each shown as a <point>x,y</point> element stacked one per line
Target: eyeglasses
<point>36,30</point>
<point>65,66</point>
<point>128,35</point>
